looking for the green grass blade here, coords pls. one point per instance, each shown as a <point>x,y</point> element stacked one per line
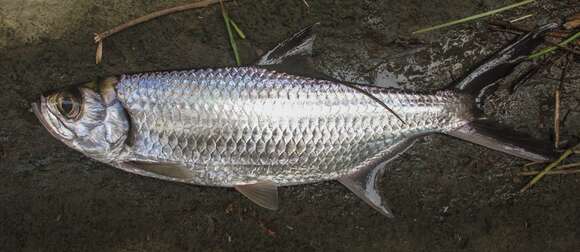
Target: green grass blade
<point>547,169</point>
<point>470,18</point>
<point>237,29</point>
<point>231,36</point>
<point>552,48</point>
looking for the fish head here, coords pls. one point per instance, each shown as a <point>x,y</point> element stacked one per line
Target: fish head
<point>88,118</point>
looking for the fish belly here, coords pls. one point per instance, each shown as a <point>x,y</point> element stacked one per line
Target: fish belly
<point>234,126</point>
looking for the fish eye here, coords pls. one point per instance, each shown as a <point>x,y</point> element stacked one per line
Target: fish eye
<point>69,105</point>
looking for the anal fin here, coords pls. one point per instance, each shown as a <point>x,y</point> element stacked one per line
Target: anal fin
<point>264,194</point>
<point>364,182</point>
<point>363,185</point>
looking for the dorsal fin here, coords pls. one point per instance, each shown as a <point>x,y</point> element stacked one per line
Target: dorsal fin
<point>298,44</point>
<point>364,182</point>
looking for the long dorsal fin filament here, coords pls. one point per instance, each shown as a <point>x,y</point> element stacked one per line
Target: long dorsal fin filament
<point>357,88</point>
<point>284,55</point>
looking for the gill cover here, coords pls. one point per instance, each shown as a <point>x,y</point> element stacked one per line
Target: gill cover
<point>116,121</point>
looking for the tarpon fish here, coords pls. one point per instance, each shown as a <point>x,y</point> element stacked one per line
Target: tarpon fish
<point>275,123</point>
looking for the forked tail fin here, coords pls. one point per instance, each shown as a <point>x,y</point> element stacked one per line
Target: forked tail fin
<point>480,82</point>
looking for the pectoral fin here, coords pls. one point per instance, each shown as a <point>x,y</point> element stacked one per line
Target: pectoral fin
<point>170,170</point>
<point>264,193</point>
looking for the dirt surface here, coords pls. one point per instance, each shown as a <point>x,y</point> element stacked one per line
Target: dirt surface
<point>446,194</point>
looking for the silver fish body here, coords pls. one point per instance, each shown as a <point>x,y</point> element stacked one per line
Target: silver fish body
<point>235,126</point>
<point>255,128</point>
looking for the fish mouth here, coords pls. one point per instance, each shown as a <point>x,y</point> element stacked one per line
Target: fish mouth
<point>37,110</point>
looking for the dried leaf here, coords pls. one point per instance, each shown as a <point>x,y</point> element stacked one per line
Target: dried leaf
<point>572,22</point>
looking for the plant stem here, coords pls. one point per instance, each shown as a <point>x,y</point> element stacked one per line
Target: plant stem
<point>470,18</point>
<point>552,48</point>
<point>230,34</point>
<point>547,169</point>
<point>238,30</point>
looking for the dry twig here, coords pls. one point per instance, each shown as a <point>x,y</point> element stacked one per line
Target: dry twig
<point>99,55</point>
<point>560,35</point>
<point>557,105</point>
<point>557,172</point>
<point>557,118</point>
<point>563,167</point>
<point>572,22</point>
<point>102,35</point>
<point>534,163</point>
<point>521,18</point>
<point>99,37</point>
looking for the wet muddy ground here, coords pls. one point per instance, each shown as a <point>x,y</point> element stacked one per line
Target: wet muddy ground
<point>446,194</point>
